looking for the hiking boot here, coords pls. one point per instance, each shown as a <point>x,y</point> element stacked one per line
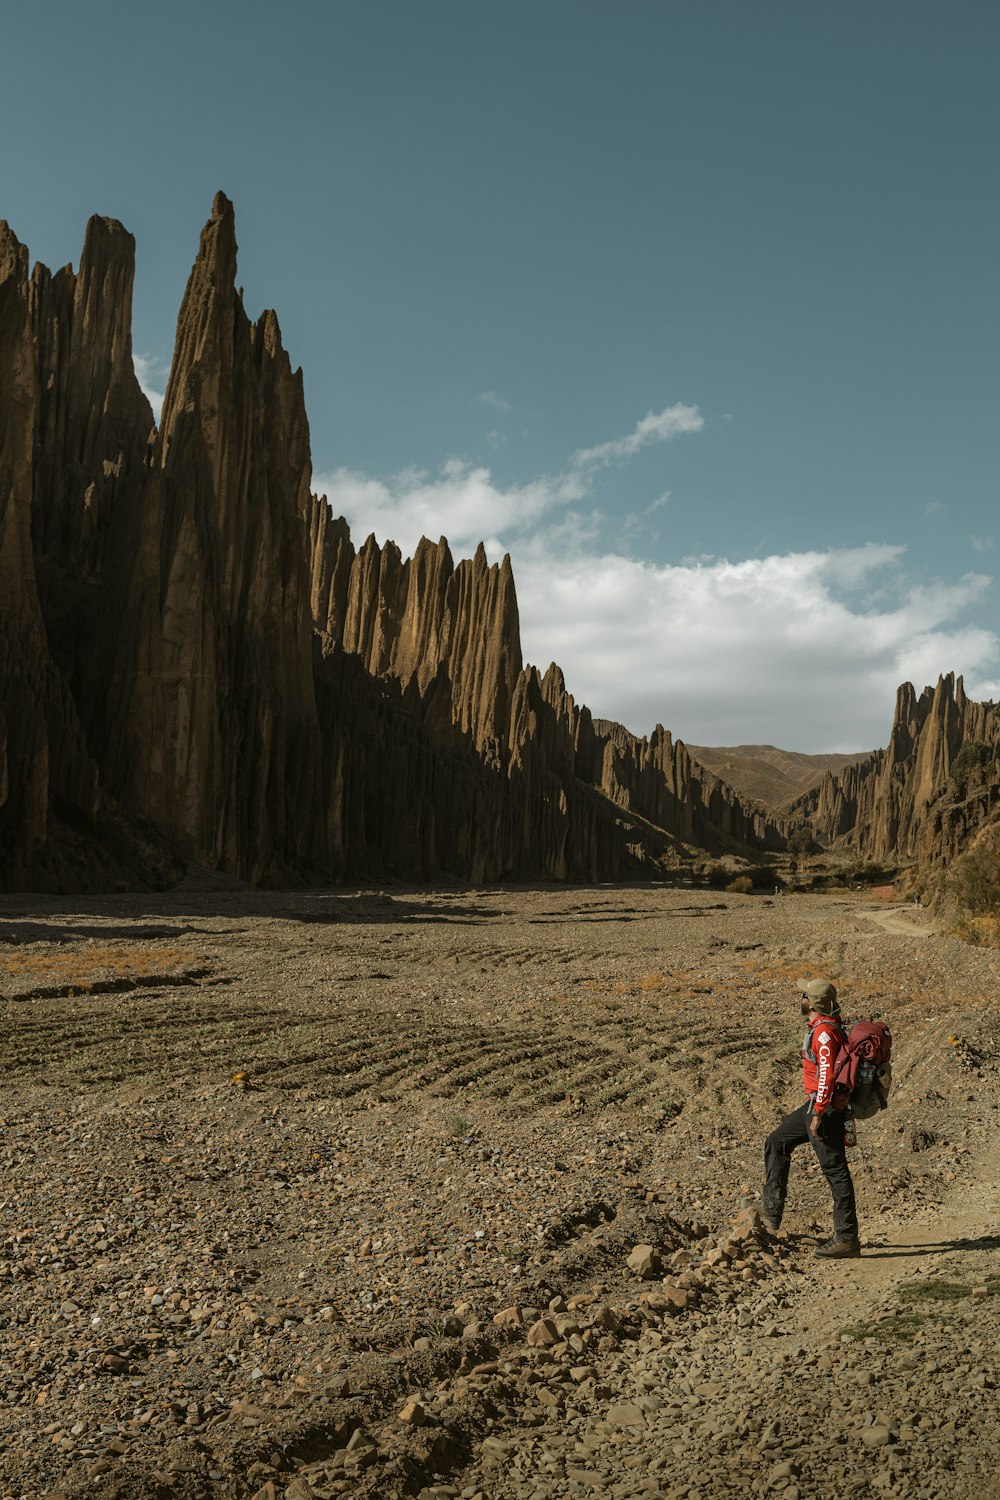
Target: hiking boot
<point>771,1222</point>
<point>839,1250</point>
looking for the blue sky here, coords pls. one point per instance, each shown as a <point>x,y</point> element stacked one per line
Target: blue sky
<point>693,308</point>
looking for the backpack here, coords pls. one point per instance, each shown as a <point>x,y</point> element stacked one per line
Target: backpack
<point>863,1076</point>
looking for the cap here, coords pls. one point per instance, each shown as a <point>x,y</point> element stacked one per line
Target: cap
<point>820,991</point>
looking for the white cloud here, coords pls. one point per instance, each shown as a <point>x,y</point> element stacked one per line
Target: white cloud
<point>461,502</point>
<point>788,650</point>
<point>982,544</point>
<point>655,427</point>
<point>464,503</point>
<point>494,399</point>
<point>150,373</point>
<point>658,503</point>
<point>933,508</point>
<point>803,650</point>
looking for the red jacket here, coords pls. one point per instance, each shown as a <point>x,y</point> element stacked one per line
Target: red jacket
<point>824,1041</point>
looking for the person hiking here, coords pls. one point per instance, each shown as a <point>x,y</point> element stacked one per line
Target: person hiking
<point>817,1122</point>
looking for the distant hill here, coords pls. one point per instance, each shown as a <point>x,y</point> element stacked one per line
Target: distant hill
<point>769,775</point>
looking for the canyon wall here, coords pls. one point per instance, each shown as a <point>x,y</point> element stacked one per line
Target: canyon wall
<point>904,802</point>
<point>44,764</point>
<point>197,664</point>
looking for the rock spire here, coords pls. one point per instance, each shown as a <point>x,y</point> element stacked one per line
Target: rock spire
<point>196,659</point>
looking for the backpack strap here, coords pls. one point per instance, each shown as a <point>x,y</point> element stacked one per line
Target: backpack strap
<point>807,1046</point>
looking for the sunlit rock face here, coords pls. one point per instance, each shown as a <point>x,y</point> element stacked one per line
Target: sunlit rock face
<point>902,802</point>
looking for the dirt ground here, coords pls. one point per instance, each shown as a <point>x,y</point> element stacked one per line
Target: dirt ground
<point>325,1193</point>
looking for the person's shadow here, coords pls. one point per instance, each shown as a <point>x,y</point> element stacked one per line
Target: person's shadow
<point>932,1247</point>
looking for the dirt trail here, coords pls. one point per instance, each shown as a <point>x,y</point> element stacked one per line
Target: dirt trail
<point>908,921</point>
<point>960,1239</point>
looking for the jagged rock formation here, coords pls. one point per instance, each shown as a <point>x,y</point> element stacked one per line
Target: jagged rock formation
<point>208,723</point>
<point>661,780</point>
<point>44,765</point>
<point>901,802</point>
<point>567,798</point>
<point>193,652</point>
<point>92,421</point>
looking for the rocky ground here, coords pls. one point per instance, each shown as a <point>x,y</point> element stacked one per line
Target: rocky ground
<point>452,1194</point>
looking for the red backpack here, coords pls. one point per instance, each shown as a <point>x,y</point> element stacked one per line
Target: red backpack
<point>862,1078</point>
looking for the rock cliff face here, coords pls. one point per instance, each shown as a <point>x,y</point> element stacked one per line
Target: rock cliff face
<point>92,422</point>
<point>561,798</point>
<point>208,725</point>
<point>901,802</point>
<point>43,760</point>
<point>662,781</point>
<point>191,645</point>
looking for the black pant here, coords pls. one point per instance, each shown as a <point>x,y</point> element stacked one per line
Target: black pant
<point>831,1155</point>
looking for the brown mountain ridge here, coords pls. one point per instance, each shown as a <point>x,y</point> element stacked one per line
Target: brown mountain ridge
<point>773,777</point>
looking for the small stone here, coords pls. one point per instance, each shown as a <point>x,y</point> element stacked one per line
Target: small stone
<point>645,1261</point>
<point>543,1333</point>
<point>876,1437</point>
<point>494,1451</point>
<point>626,1414</point>
<point>748,1223</point>
<point>509,1317</point>
<point>299,1489</point>
<point>413,1414</point>
<point>679,1298</point>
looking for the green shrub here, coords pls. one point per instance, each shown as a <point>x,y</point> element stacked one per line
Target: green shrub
<point>741,886</point>
<point>900,1328</point>
<point>933,1291</point>
<point>973,758</point>
<point>975,880</point>
<point>802,841</point>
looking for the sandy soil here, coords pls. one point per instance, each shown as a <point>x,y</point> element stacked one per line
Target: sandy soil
<point>274,1164</point>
